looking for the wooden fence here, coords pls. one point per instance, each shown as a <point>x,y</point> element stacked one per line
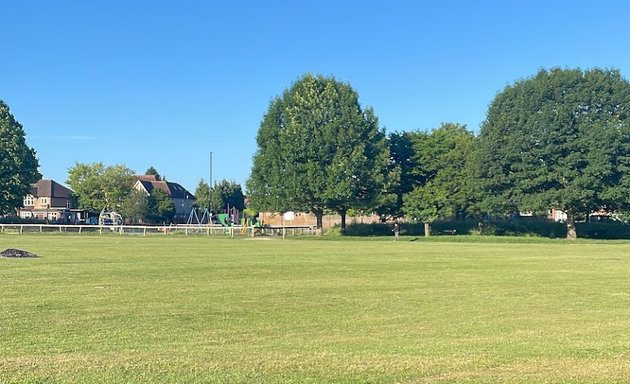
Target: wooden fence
<point>165,230</point>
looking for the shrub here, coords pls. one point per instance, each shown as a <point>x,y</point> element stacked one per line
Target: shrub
<point>533,227</point>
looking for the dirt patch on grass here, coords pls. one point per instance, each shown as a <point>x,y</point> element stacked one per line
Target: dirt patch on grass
<point>16,254</point>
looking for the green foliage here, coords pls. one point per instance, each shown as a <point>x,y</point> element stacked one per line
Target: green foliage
<point>521,227</point>
<point>250,213</point>
<point>227,194</point>
<point>203,194</point>
<point>97,186</point>
<point>135,207</point>
<point>558,140</point>
<point>441,159</point>
<point>154,172</point>
<point>333,232</point>
<point>318,149</point>
<point>160,207</point>
<point>18,164</point>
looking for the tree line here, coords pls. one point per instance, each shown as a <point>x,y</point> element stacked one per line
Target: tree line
<point>560,139</point>
<point>557,140</point>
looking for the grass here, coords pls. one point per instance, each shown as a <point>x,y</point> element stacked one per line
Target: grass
<point>126,309</point>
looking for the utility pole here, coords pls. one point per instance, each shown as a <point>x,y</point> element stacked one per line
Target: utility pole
<point>211,183</point>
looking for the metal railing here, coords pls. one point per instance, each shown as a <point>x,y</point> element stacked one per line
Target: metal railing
<point>164,230</point>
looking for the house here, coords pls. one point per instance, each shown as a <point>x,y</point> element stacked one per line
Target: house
<point>52,202</point>
<point>182,199</point>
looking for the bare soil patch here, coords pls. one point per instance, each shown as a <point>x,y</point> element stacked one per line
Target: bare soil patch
<point>16,253</point>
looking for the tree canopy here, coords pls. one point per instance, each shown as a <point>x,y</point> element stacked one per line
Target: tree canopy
<point>97,186</point>
<point>318,149</point>
<point>161,208</point>
<point>227,194</point>
<point>441,158</point>
<point>18,163</point>
<point>203,196</point>
<point>560,139</point>
<point>153,172</point>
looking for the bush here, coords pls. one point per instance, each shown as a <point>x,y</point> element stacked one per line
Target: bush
<point>531,227</point>
<point>603,230</point>
<point>19,220</point>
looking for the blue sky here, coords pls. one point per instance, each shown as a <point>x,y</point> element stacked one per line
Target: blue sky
<point>165,83</point>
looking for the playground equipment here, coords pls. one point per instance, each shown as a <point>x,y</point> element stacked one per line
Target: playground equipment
<point>193,218</point>
<point>107,217</point>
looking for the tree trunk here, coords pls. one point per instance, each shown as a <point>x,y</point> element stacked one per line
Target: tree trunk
<point>571,232</point>
<point>427,229</point>
<point>342,213</point>
<point>319,215</point>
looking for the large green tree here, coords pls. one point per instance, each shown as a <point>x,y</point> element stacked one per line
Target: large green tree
<point>18,164</point>
<point>135,207</point>
<point>161,208</point>
<point>151,171</point>
<point>560,139</point>
<point>318,149</point>
<point>226,194</point>
<point>401,170</point>
<point>97,186</point>
<point>441,159</point>
<point>203,196</point>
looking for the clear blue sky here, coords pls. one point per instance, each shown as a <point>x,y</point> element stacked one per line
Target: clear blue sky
<point>165,83</point>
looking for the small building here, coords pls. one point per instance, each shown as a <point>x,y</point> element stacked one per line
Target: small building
<point>182,199</point>
<point>51,202</point>
<point>309,219</point>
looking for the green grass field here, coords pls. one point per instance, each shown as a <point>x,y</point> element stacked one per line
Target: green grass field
<point>128,309</point>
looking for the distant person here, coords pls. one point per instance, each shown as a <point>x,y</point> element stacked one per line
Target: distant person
<point>396,231</point>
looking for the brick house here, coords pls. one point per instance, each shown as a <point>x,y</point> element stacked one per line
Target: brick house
<point>51,202</point>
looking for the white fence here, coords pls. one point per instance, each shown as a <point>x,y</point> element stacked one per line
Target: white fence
<point>144,230</point>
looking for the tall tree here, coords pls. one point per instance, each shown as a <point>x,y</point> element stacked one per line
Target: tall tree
<point>400,170</point>
<point>560,139</point>
<point>318,149</point>
<point>153,172</point>
<point>226,194</point>
<point>98,186</point>
<point>203,194</point>
<point>265,186</point>
<point>161,208</point>
<point>135,207</point>
<point>18,164</point>
<point>442,157</point>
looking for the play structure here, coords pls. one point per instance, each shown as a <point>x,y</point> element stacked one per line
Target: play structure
<point>193,218</point>
<point>108,217</point>
<point>234,218</point>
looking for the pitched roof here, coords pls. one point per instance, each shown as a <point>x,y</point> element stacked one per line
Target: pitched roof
<point>50,188</point>
<point>146,177</point>
<point>174,190</point>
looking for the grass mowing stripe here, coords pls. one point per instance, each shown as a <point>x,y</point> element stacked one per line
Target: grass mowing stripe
<point>198,309</point>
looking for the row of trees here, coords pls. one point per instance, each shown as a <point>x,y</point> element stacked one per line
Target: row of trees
<point>560,139</point>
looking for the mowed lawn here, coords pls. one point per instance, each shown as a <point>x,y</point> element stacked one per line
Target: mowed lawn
<point>158,309</point>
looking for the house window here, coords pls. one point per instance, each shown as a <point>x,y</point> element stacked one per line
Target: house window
<point>28,201</point>
<point>43,201</point>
